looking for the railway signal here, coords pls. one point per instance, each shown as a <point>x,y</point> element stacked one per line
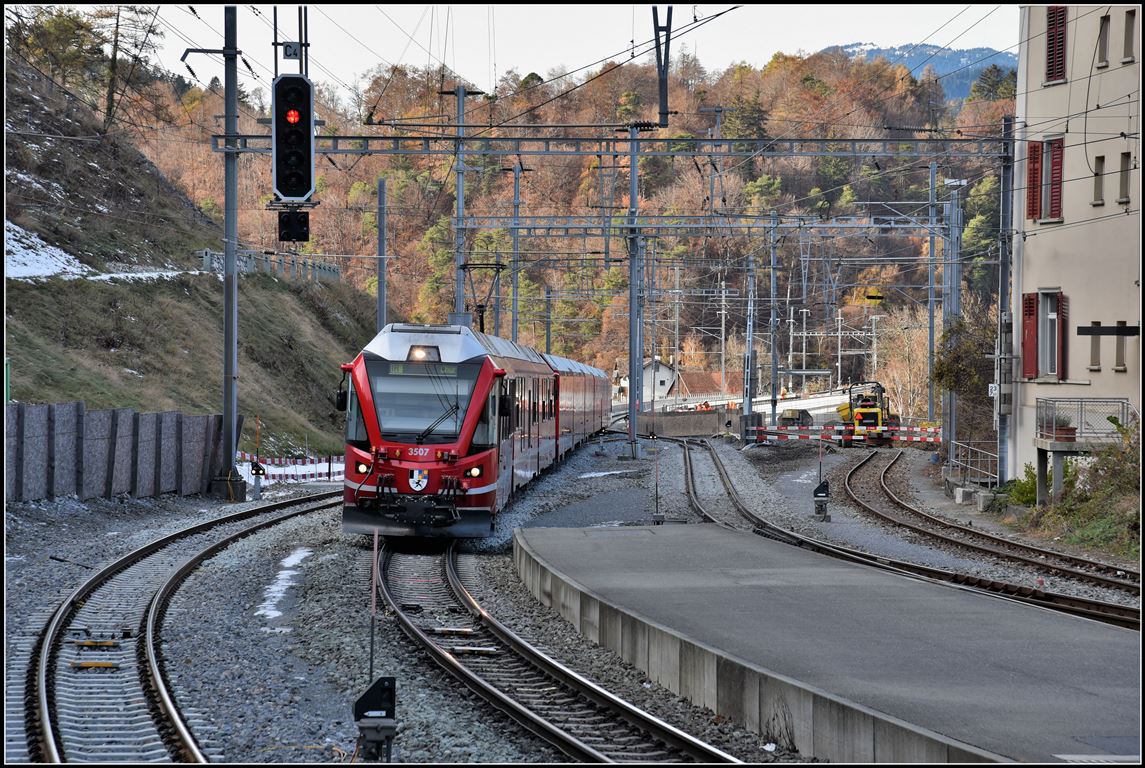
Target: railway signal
<point>294,226</point>
<point>292,138</point>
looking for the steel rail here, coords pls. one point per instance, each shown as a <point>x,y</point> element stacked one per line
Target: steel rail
<point>156,611</point>
<point>525,717</point>
<point>40,722</point>
<point>689,745</point>
<point>1039,552</point>
<point>1111,613</point>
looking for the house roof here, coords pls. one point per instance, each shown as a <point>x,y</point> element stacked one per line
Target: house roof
<point>707,382</point>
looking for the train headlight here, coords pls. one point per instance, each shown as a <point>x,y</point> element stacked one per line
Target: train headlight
<point>362,467</point>
<point>474,472</point>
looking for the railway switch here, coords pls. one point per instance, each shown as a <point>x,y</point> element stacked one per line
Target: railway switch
<point>821,495</point>
<point>374,713</point>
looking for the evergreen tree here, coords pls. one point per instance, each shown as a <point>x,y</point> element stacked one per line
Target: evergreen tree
<point>994,83</point>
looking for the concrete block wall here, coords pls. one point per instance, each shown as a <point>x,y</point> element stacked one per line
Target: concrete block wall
<point>62,449</point>
<point>34,471</point>
<point>66,462</point>
<point>168,455</point>
<point>687,423</point>
<point>781,709</point>
<point>143,464</point>
<point>121,470</point>
<point>194,463</point>
<point>97,441</point>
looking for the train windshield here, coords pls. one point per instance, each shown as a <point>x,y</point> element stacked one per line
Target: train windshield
<point>421,402</point>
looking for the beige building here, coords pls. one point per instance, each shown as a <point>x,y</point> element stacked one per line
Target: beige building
<point>1076,296</point>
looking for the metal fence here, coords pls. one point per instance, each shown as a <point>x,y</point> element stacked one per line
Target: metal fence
<point>974,463</point>
<point>1086,419</point>
<point>292,266</point>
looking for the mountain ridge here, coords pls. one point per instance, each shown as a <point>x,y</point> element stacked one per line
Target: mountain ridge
<point>958,67</point>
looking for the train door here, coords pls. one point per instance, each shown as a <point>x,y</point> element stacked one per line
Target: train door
<point>534,427</point>
<point>505,442</point>
<point>520,432</point>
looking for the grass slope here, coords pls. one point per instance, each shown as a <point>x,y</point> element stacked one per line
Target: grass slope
<point>159,346</point>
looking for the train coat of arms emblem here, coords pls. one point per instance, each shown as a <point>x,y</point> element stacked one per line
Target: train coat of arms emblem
<point>418,479</point>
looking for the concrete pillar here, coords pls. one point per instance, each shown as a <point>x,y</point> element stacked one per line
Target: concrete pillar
<point>1059,474</point>
<point>1040,473</point>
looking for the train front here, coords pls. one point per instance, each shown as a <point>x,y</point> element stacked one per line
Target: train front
<point>421,458</point>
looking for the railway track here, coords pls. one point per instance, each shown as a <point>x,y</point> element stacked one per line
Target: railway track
<point>1062,564</point>
<point>690,484</point>
<point>1120,615</point>
<point>585,722</point>
<point>95,688</point>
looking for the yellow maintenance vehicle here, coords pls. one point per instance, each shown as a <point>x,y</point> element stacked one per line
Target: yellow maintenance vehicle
<point>868,411</point>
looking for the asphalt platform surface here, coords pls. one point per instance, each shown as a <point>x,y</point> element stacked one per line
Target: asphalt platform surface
<point>1019,681</point>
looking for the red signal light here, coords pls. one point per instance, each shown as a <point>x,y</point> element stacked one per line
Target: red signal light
<point>293,116</point>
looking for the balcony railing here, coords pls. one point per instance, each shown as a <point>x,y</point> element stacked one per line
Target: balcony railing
<point>1084,419</point>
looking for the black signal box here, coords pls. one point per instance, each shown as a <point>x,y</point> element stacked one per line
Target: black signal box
<point>294,226</point>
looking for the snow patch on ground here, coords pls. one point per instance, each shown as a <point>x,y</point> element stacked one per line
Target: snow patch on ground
<point>276,591</point>
<point>27,256</point>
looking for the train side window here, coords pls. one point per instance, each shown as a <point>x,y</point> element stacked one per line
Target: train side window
<point>483,434</point>
<point>356,421</point>
<point>516,404</point>
<point>504,412</point>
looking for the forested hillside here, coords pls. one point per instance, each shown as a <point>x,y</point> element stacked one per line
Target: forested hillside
<point>825,95</point>
<point>107,304</point>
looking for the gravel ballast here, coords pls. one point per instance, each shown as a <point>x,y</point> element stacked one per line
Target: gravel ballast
<point>268,644</point>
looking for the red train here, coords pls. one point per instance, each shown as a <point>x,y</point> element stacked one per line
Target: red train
<point>444,424</point>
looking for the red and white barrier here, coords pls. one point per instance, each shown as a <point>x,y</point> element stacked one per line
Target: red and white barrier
<point>848,432</point>
<point>281,469</point>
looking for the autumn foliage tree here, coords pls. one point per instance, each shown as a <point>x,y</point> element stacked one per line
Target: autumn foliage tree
<point>821,95</point>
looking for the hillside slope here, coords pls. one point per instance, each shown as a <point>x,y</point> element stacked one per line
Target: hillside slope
<point>104,303</point>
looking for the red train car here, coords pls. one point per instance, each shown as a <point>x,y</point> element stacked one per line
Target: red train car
<point>444,424</point>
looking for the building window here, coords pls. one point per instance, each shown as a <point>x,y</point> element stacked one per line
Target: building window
<point>1044,179</point>
<point>1099,180</point>
<point>1055,43</point>
<point>1126,162</point>
<point>1095,346</point>
<point>1045,317</point>
<point>1119,349</point>
<point>1130,24</point>
<point>1103,42</point>
<point>1048,333</point>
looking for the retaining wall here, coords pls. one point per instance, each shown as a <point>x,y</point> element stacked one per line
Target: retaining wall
<point>62,449</point>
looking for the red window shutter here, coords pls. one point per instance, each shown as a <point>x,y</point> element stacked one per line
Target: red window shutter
<point>1030,335</point>
<point>1057,147</point>
<point>1055,42</point>
<point>1034,180</point>
<point>1063,335</point>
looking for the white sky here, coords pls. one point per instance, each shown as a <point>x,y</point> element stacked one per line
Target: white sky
<point>480,40</point>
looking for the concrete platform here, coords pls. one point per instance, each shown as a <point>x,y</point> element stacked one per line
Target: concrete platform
<point>839,661</point>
